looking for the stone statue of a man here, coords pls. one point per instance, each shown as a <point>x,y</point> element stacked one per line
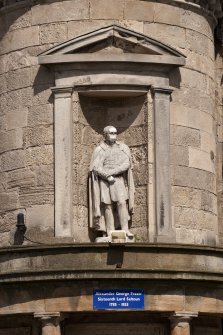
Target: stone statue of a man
<point>111,185</point>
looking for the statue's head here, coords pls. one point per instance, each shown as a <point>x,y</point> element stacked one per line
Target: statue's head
<point>110,134</point>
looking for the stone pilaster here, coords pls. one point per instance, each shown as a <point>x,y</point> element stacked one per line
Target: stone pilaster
<point>50,323</point>
<point>63,140</point>
<point>180,323</point>
<point>161,100</point>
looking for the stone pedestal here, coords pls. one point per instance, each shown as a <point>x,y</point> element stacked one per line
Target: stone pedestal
<point>180,323</point>
<point>50,323</point>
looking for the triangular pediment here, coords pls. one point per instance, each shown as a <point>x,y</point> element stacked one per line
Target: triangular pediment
<point>113,40</point>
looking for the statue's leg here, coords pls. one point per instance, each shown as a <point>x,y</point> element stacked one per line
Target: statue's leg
<point>123,217</point>
<point>109,218</point>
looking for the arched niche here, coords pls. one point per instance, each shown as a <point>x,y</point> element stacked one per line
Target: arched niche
<point>113,67</point>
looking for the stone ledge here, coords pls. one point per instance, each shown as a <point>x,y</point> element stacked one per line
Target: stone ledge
<point>97,261</point>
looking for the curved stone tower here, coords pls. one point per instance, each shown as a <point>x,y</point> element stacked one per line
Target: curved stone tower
<point>153,69</point>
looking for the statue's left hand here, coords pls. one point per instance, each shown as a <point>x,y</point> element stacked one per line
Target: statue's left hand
<point>111,180</point>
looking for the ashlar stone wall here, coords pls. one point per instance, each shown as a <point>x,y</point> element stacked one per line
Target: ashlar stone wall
<point>26,111</point>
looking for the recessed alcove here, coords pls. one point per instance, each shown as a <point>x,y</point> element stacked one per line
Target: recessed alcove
<point>132,116</point>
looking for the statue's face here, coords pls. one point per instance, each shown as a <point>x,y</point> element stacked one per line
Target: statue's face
<point>111,135</point>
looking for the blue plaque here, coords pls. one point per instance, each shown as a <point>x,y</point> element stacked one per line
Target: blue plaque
<point>118,299</point>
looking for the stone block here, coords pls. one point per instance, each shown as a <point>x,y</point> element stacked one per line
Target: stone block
<point>11,140</point>
<point>140,173</point>
<point>209,202</point>
<point>194,21</point>
<point>40,115</point>
<point>199,43</point>
<point>201,160</point>
<point>16,119</point>
<point>102,9</point>
<point>190,177</point>
<point>18,59</point>
<point>16,100</point>
<point>191,218</point>
<point>41,216</point>
<point>60,11</point>
<point>19,18</point>
<point>12,160</point>
<point>200,63</point>
<point>8,221</point>
<point>3,182</point>
<point>193,79</point>
<point>44,175</point>
<point>166,298</point>
<point>36,196</point>
<point>53,33</point>
<point>186,197</point>
<point>22,178</point>
<point>18,79</point>
<point>182,136</point>
<point>3,83</point>
<point>38,136</point>
<point>39,155</point>
<point>167,14</point>
<point>139,10</point>
<point>179,155</point>
<point>19,39</point>
<point>42,95</point>
<point>8,201</point>
<point>168,34</point>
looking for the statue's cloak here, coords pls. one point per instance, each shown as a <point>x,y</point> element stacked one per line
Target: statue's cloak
<point>96,210</point>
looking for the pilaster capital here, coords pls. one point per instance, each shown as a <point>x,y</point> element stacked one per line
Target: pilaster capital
<point>49,318</point>
<point>62,91</point>
<point>161,90</point>
<point>182,317</point>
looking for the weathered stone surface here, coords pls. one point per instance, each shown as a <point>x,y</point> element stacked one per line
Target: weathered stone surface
<point>199,80</point>
<point>23,178</point>
<point>184,136</point>
<point>42,95</point>
<point>194,21</point>
<point>186,197</point>
<point>168,34</point>
<point>40,115</point>
<point>16,119</point>
<point>209,202</point>
<point>101,9</point>
<point>199,43</point>
<point>39,136</point>
<point>18,79</point>
<point>19,39</point>
<point>42,75</point>
<point>191,218</point>
<point>36,196</point>
<point>12,160</point>
<point>200,63</point>
<point>60,11</point>
<point>190,177</point>
<point>139,10</point>
<point>167,14</point>
<point>53,33</point>
<point>18,99</point>
<point>179,155</point>
<point>195,236</point>
<point>11,140</point>
<point>201,160</point>
<point>19,18</point>
<point>44,175</point>
<point>41,216</point>
<point>8,201</point>
<point>39,155</point>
